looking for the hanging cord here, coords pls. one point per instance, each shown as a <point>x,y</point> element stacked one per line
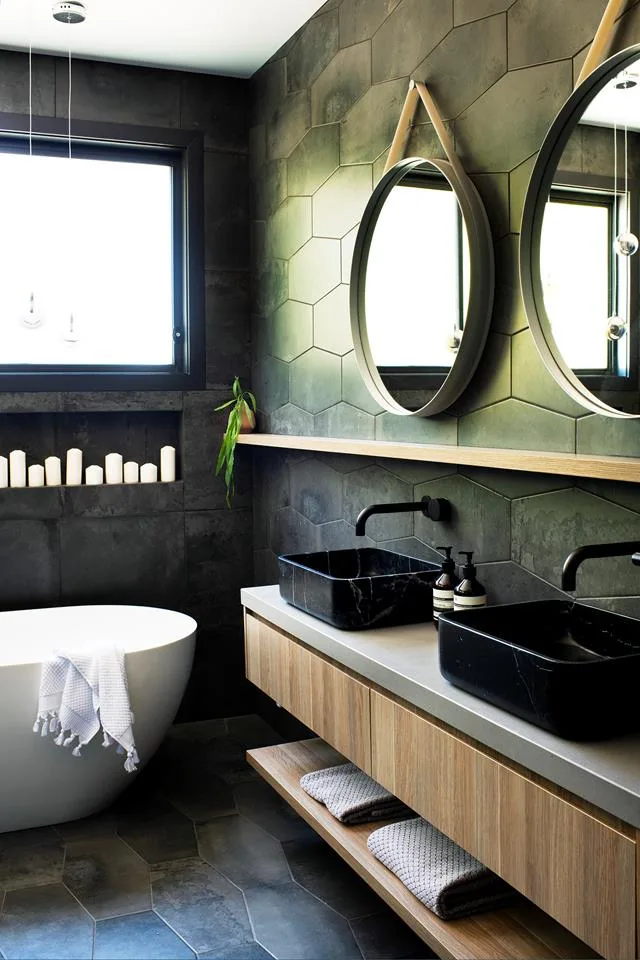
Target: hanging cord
<point>626,185</point>
<point>616,217</point>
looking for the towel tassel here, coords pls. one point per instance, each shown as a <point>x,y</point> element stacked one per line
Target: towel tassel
<point>36,726</point>
<point>69,740</point>
<point>44,729</point>
<point>76,751</point>
<point>130,762</point>
<point>53,723</point>
<point>107,741</point>
<point>59,740</point>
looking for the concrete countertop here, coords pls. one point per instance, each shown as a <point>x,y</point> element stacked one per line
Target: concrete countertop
<point>404,660</point>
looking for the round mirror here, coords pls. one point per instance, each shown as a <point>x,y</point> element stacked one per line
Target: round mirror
<point>579,259</point>
<point>421,287</point>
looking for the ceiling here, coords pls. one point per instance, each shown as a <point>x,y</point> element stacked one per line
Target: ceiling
<point>232,37</point>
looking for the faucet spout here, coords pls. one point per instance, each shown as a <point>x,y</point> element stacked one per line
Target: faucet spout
<point>432,508</point>
<point>591,551</point>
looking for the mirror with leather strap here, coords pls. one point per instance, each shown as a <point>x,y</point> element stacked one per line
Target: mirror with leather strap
<point>422,280</point>
<point>579,249</point>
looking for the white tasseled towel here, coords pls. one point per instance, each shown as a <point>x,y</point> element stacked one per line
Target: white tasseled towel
<point>352,796</point>
<point>79,693</point>
<point>443,876</point>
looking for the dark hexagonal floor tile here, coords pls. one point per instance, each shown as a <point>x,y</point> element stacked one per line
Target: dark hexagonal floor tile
<point>289,922</point>
<point>141,935</point>
<point>107,877</point>
<point>204,908</point>
<point>247,951</point>
<point>385,937</point>
<point>158,832</point>
<point>322,872</point>
<point>30,858</point>
<point>257,801</point>
<point>243,852</point>
<point>42,922</point>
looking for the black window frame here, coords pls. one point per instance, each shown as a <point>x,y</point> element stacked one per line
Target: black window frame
<point>183,151</point>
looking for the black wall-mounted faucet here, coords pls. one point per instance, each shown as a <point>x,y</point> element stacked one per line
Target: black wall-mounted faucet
<point>592,551</point>
<point>430,507</point>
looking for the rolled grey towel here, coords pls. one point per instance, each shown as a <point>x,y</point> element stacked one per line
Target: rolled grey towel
<point>351,796</point>
<point>443,876</point>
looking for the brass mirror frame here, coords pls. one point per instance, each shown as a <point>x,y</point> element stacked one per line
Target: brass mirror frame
<point>531,232</point>
<point>481,288</point>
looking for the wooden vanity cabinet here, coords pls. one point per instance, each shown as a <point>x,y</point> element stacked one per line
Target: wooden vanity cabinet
<point>576,863</point>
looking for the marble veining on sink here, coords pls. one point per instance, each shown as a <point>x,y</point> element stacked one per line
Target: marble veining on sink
<point>360,588</point>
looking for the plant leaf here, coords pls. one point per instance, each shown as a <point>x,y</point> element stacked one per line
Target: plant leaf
<point>227,404</point>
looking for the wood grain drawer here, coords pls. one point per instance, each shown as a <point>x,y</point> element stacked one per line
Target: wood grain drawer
<point>325,698</point>
<point>576,867</point>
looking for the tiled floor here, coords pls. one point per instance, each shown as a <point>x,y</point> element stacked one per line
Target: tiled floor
<point>199,858</point>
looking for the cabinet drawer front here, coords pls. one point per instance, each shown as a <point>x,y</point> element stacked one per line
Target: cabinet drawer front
<point>579,869</point>
<point>325,698</point>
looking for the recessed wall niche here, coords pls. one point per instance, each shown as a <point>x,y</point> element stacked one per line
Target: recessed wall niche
<point>136,435</point>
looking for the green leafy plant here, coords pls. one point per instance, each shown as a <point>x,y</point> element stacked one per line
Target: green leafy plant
<point>241,419</point>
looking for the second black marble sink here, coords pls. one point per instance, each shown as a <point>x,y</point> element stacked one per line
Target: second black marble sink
<point>360,588</point>
<point>564,666</point>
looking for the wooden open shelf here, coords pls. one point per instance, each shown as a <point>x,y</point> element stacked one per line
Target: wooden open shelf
<point>522,931</point>
<point>532,461</point>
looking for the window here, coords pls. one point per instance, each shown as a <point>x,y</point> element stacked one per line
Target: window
<point>585,283</point>
<point>101,258</point>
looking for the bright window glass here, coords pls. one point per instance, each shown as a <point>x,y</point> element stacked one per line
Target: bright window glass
<point>575,262</point>
<point>90,239</point>
<point>416,243</point>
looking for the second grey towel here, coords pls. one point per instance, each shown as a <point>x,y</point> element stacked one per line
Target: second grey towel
<point>351,796</point>
<point>443,876</point>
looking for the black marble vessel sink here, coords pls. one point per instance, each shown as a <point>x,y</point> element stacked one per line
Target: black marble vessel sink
<point>360,588</point>
<point>566,667</point>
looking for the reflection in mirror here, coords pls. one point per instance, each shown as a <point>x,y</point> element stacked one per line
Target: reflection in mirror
<point>589,267</point>
<point>415,352</point>
<point>422,276</point>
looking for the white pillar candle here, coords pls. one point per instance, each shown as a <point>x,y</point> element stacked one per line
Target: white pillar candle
<point>113,467</point>
<point>131,472</point>
<point>94,476</point>
<point>148,473</point>
<point>18,468</point>
<point>4,472</point>
<point>53,471</point>
<point>36,475</point>
<point>73,475</point>
<point>168,464</point>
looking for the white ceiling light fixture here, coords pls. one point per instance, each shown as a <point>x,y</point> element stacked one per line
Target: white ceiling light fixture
<point>69,11</point>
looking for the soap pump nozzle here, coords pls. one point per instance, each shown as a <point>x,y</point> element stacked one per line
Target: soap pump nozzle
<point>448,563</point>
<point>468,570</point>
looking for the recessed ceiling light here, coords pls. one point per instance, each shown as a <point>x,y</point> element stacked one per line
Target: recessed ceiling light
<point>69,11</point>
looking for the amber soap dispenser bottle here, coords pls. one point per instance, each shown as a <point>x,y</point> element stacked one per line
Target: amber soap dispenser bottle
<point>444,586</point>
<point>469,593</point>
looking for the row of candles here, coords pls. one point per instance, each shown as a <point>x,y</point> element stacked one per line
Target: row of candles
<point>14,471</point>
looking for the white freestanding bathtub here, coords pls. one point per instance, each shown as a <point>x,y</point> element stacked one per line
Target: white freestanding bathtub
<point>41,783</point>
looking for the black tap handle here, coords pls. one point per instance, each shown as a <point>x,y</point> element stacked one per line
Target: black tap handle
<point>437,508</point>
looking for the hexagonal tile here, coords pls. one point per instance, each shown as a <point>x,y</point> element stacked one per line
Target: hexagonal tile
<point>440,429</point>
<point>260,803</point>
<point>292,923</point>
<point>292,330</point>
<point>242,852</point>
<point>316,491</point>
<point>508,582</point>
<point>157,832</point>
<point>30,857</point>
<point>313,49</point>
<point>143,934</point>
<point>315,380</point>
<point>314,160</point>
<point>270,383</point>
<point>342,82</point>
<point>492,380</point>
<point>407,35</point>
<point>347,244</point>
<point>508,308</point>
<point>354,389</point>
<point>189,894</point>
<point>291,421</point>
<point>35,918</point>
<point>518,183</point>
<point>546,528</point>
<point>288,124</point>
<point>368,127</point>
<point>290,532</point>
<point>314,270</point>
<point>538,31</point>
<point>375,485</point>
<point>479,519</point>
<point>509,122</point>
<point>533,382</point>
<point>339,203</point>
<point>106,876</point>
<point>385,935</point>
<point>343,420</point>
<point>332,322</point>
<point>466,10</point>
<point>289,228</point>
<point>518,426</point>
<point>618,438</point>
<point>359,19</point>
<point>322,872</point>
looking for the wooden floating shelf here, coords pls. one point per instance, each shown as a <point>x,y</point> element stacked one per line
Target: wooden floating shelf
<point>532,461</point>
<point>521,931</point>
